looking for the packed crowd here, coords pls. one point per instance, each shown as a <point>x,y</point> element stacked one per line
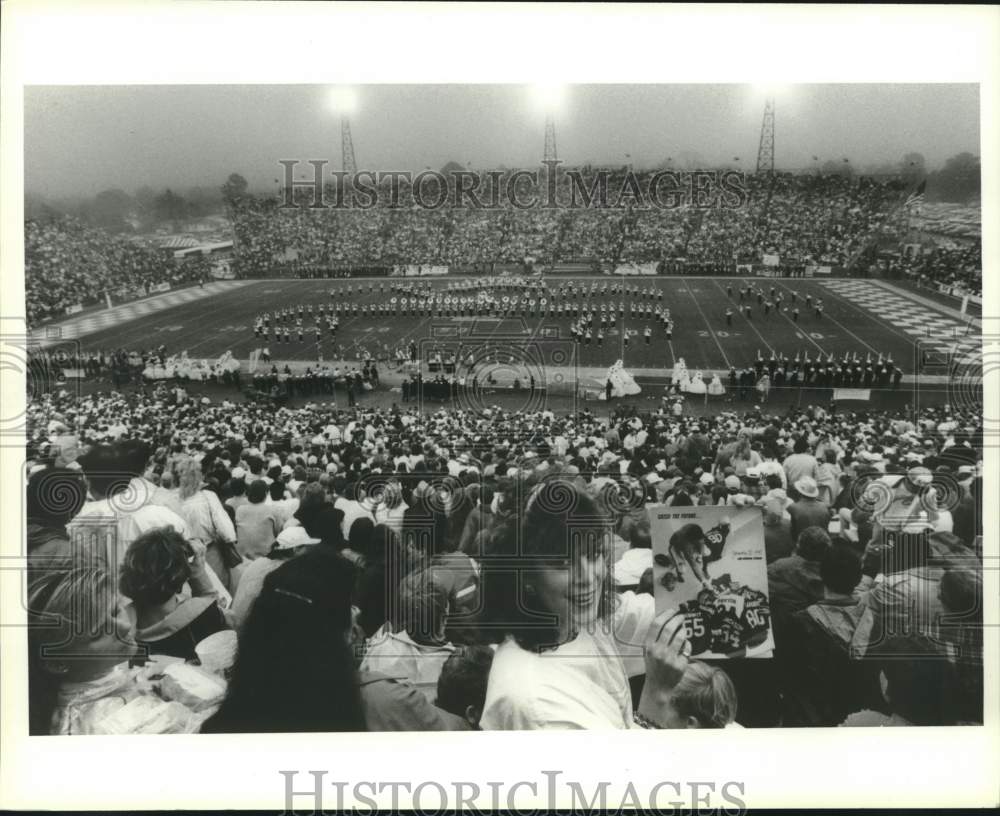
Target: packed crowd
<point>957,267</point>
<point>827,220</point>
<point>67,264</point>
<point>413,571</point>
<point>800,217</point>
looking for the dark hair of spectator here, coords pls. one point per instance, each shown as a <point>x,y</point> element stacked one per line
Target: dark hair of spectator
<point>257,491</point>
<point>463,679</point>
<point>54,496</point>
<point>557,521</point>
<point>155,567</point>
<point>812,544</point>
<point>921,681</point>
<point>840,568</point>
<point>295,668</point>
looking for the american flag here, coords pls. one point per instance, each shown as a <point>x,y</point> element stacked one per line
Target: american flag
<point>916,197</point>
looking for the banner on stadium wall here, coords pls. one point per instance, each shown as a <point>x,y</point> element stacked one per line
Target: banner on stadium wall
<point>636,269</point>
<point>74,309</point>
<point>73,373</point>
<point>709,563</point>
<point>160,287</point>
<point>771,260</point>
<point>813,270</point>
<point>223,270</point>
<point>860,394</point>
<point>744,269</point>
<point>418,270</point>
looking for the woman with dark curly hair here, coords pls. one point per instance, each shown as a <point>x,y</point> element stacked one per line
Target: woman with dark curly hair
<point>155,569</point>
<point>568,643</point>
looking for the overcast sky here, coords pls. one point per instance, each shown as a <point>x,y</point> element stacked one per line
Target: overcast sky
<point>81,140</point>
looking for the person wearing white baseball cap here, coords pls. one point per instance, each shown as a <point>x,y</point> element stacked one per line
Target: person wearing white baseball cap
<point>291,542</point>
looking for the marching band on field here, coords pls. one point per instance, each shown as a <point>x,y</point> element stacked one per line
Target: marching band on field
<point>596,310</point>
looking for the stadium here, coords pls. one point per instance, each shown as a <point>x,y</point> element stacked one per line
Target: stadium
<point>261,420</point>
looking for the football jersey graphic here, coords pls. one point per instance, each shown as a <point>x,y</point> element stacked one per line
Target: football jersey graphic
<point>726,618</point>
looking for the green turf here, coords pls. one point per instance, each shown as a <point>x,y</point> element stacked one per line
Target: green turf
<point>225,323</point>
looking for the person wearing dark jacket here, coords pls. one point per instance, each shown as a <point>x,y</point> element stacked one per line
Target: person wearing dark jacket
<point>822,682</point>
<point>320,518</point>
<point>795,581</point>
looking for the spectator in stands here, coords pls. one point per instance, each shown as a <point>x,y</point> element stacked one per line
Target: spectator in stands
<point>298,627</point>
<point>530,686</point>
<point>79,678</point>
<point>360,446</point>
<point>704,697</point>
<point>319,517</point>
<point>156,568</point>
<point>53,497</point>
<point>961,594</point>
<point>291,542</point>
<point>808,511</point>
<point>916,690</point>
<point>823,681</point>
<point>257,523</point>
<point>828,477</point>
<point>795,582</point>
<point>800,463</point>
<point>909,595</point>
<point>207,521</point>
<point>122,514</point>
<point>778,540</point>
<point>413,645</point>
<point>461,688</point>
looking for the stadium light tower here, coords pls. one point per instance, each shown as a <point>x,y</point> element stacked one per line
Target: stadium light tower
<point>548,98</point>
<point>765,151</point>
<point>550,139</point>
<point>344,101</point>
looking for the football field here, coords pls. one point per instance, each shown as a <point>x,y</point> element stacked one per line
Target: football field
<point>860,316</point>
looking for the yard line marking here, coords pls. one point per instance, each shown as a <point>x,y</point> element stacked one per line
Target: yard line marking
<point>710,329</point>
<point>837,323</point>
<point>749,322</point>
<point>801,331</point>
